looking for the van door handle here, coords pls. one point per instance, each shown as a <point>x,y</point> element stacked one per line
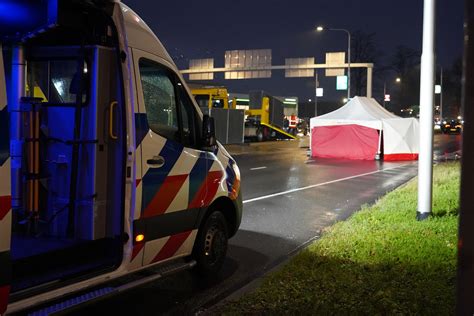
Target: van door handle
<point>156,162</point>
<point>111,120</point>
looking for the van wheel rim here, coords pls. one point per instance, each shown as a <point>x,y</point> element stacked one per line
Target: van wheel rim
<point>215,245</point>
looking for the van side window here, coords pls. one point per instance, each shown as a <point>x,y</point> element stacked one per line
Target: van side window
<point>58,81</point>
<point>188,115</point>
<point>160,100</point>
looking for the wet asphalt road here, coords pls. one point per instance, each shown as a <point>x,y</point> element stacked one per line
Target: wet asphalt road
<point>446,146</point>
<point>276,223</point>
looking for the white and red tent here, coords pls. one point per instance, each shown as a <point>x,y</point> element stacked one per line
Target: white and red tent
<point>361,129</point>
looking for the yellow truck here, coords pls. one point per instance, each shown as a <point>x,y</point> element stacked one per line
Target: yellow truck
<point>261,123</point>
<point>211,97</point>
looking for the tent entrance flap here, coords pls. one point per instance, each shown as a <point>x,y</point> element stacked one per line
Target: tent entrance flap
<point>344,141</point>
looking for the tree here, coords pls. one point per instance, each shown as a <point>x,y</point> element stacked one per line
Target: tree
<point>404,59</point>
<point>452,86</point>
<point>364,50</point>
<point>405,63</point>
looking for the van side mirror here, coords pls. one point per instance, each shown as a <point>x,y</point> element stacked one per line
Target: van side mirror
<point>208,131</point>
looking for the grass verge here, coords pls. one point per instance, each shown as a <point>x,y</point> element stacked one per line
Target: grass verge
<point>380,261</point>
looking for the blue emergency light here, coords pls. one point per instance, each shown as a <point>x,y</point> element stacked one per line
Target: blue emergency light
<point>20,17</point>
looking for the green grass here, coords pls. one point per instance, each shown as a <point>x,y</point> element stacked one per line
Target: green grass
<point>380,261</point>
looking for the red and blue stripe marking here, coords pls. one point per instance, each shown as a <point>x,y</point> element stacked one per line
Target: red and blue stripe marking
<point>159,189</point>
<point>155,178</point>
<point>233,183</point>
<point>198,174</point>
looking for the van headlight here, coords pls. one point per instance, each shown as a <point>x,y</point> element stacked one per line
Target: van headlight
<point>236,170</point>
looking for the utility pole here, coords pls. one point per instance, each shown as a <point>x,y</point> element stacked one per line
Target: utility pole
<point>349,65</point>
<point>465,277</point>
<point>369,75</point>
<point>316,81</point>
<point>425,165</point>
<point>441,96</point>
<point>384,93</point>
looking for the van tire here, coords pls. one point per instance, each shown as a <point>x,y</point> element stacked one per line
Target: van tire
<point>210,248</point>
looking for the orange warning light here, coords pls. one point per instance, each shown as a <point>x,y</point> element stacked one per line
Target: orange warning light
<point>140,238</point>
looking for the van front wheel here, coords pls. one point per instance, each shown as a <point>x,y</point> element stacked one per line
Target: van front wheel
<point>211,245</point>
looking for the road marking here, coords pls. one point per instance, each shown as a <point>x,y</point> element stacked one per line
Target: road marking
<point>258,168</point>
<point>318,185</point>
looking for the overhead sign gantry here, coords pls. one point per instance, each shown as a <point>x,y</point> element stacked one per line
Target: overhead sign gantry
<point>251,64</point>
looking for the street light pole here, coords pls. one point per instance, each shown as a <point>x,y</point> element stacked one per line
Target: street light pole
<point>348,60</point>
<point>441,96</point>
<point>427,79</point>
<point>316,93</point>
<point>384,93</point>
<point>320,29</point>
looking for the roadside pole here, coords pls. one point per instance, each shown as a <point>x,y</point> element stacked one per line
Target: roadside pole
<point>369,82</point>
<point>441,95</point>
<point>349,66</point>
<point>465,276</point>
<point>384,93</point>
<point>316,93</point>
<point>425,165</point>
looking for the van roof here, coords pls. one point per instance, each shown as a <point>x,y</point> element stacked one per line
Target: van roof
<point>140,36</point>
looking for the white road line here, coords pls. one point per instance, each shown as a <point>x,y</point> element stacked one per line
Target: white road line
<point>317,185</point>
<point>258,168</point>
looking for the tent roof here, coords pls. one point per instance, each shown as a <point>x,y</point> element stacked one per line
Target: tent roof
<point>359,110</point>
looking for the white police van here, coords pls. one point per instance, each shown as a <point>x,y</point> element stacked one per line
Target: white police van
<point>107,165</point>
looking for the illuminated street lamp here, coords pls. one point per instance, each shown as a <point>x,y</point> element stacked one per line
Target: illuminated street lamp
<point>397,80</point>
<point>321,28</point>
<point>440,93</point>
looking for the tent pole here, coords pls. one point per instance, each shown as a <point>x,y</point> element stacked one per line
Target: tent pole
<point>377,156</point>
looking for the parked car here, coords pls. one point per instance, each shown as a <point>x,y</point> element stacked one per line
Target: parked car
<point>454,126</point>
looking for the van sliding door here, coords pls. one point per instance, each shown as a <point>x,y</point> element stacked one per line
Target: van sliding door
<point>74,154</point>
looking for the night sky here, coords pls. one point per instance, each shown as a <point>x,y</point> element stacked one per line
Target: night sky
<point>206,29</point>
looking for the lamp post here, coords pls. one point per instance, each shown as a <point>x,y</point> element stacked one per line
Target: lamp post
<point>427,79</point>
<point>397,80</point>
<point>316,84</point>
<point>320,29</point>
<point>441,94</point>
